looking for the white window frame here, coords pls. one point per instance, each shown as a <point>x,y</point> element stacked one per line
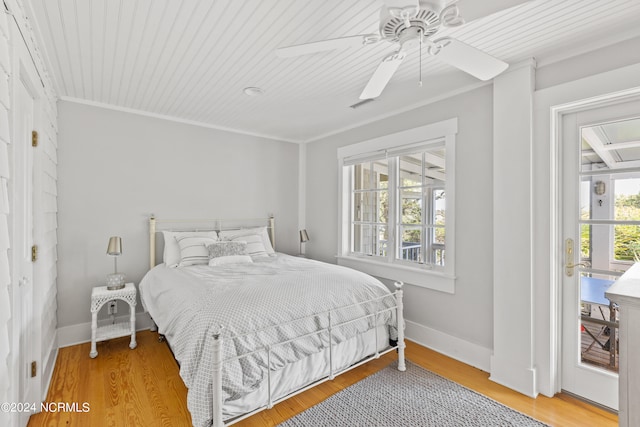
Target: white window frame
<point>422,275</point>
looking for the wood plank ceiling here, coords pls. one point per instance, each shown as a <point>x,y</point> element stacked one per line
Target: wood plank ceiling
<point>191,59</point>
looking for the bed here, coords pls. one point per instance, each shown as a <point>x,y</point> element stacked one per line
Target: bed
<point>250,326</point>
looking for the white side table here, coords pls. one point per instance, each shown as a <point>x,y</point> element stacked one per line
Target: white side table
<point>100,295</point>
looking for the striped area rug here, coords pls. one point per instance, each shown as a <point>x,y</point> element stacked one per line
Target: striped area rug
<point>417,397</point>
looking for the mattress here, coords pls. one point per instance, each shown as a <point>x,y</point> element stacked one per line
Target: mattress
<point>260,304</point>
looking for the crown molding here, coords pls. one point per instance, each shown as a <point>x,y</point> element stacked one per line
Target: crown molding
<point>172,119</point>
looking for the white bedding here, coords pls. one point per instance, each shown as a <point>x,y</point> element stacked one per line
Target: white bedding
<point>188,304</point>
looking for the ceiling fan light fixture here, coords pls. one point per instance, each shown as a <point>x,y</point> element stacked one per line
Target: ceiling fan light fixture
<point>253,91</point>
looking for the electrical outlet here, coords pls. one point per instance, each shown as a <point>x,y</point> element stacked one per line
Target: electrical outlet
<point>112,308</point>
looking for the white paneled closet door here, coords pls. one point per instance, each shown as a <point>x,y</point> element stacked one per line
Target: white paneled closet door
<point>25,354</point>
<point>23,293</point>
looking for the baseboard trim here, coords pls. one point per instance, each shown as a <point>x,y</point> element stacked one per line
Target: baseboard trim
<point>81,333</point>
<point>456,348</point>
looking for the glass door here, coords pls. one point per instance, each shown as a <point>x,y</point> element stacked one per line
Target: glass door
<point>601,192</point>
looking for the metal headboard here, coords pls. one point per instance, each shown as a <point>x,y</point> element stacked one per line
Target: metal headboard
<point>217,224</point>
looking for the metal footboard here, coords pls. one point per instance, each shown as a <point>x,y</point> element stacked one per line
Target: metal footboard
<point>332,325</point>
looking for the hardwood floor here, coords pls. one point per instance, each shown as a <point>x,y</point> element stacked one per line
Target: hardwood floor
<point>142,387</point>
<point>123,387</point>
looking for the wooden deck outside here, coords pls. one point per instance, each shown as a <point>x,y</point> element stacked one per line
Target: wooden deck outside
<point>597,352</point>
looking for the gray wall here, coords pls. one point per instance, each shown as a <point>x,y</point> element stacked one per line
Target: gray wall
<point>468,314</point>
<point>116,168</point>
<point>589,63</point>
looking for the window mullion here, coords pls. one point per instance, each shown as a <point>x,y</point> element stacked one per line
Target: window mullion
<point>373,184</point>
<point>427,215</point>
<point>352,218</point>
<point>392,245</point>
<point>426,207</point>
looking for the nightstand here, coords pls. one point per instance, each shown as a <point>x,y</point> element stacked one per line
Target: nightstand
<point>100,295</point>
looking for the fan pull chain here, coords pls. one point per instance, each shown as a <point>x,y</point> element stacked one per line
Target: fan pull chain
<point>420,32</point>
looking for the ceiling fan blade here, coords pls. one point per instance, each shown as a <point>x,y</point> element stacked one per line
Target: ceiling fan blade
<point>323,45</point>
<point>382,75</point>
<point>473,9</point>
<point>469,59</point>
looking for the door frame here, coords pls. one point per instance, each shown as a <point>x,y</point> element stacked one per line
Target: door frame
<point>557,113</point>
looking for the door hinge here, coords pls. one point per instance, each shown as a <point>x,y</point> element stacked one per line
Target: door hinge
<point>34,138</point>
<point>34,253</point>
<point>34,369</point>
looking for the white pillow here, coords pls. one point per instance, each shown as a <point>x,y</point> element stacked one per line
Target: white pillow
<point>260,231</point>
<point>230,259</point>
<point>171,255</point>
<point>255,247</point>
<point>193,250</point>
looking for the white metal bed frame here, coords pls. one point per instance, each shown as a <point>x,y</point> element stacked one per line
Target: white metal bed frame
<point>156,225</point>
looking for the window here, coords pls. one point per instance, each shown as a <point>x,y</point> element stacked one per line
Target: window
<point>397,206</point>
<point>418,201</point>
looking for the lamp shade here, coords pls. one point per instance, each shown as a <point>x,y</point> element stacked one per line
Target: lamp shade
<point>115,246</point>
<point>304,236</point>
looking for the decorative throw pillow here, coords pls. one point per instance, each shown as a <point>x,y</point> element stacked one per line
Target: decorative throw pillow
<point>193,250</point>
<point>224,248</point>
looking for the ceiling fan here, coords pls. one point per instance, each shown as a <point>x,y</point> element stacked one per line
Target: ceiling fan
<point>411,25</point>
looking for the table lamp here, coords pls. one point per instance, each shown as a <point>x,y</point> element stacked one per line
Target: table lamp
<point>304,238</point>
<point>116,280</point>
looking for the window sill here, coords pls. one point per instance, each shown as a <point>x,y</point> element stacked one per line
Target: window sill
<point>421,277</point>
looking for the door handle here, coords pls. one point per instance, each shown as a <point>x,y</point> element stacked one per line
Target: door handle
<point>585,264</point>
<point>568,259</point>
